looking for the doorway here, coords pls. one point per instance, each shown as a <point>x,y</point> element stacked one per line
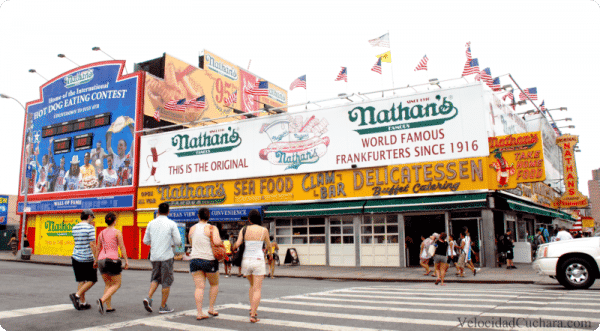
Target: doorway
<point>417,226</point>
<point>472,224</point>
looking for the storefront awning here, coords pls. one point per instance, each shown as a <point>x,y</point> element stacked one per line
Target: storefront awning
<point>315,209</point>
<point>232,214</point>
<point>537,210</point>
<point>427,203</point>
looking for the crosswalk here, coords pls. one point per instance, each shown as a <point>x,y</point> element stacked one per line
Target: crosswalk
<point>387,307</point>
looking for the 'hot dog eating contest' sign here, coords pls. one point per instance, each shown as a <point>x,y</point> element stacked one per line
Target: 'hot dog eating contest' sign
<point>434,126</point>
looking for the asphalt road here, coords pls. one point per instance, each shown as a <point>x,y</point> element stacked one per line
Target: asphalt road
<point>35,297</point>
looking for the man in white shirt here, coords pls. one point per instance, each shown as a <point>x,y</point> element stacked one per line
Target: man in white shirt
<point>563,234</point>
<point>162,235</point>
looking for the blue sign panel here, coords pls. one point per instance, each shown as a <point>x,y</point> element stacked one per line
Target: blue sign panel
<point>3,209</point>
<point>123,201</point>
<point>80,135</point>
<point>232,214</point>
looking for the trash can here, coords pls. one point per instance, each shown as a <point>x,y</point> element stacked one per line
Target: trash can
<point>26,254</point>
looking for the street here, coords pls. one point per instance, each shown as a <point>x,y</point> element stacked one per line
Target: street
<point>35,297</point>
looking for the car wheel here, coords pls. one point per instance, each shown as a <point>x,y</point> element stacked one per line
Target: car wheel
<point>575,273</point>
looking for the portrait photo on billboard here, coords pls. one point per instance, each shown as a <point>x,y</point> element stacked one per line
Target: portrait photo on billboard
<point>80,135</point>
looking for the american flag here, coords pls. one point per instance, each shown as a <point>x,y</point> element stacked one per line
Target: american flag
<point>377,66</point>
<point>509,95</point>
<point>197,103</point>
<point>485,75</point>
<point>556,130</point>
<point>299,82</point>
<point>383,41</point>
<point>422,64</point>
<point>468,51</point>
<point>471,67</point>
<point>531,92</point>
<point>343,75</point>
<point>496,84</point>
<point>543,107</point>
<point>157,114</point>
<point>231,99</point>
<point>176,105</point>
<point>260,88</point>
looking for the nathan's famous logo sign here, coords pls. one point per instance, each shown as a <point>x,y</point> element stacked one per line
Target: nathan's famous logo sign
<point>79,78</point>
<point>221,67</point>
<point>295,141</point>
<point>416,178</point>
<point>572,198</point>
<point>517,158</point>
<point>427,113</point>
<point>214,141</point>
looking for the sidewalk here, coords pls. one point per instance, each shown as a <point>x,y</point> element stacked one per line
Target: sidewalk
<point>524,274</point>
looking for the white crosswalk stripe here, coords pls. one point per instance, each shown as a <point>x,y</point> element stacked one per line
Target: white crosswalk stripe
<point>389,307</point>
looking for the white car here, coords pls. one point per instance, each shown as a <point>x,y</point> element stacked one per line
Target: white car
<point>574,263</point>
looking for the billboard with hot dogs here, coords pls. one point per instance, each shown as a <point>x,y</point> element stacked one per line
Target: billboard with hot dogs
<point>189,93</point>
<point>439,125</point>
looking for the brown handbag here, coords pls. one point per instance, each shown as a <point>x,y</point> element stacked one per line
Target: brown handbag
<point>218,250</point>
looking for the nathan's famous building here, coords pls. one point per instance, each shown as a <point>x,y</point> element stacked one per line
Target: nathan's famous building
<point>357,184</point>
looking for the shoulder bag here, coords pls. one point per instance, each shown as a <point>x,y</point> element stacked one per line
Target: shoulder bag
<point>239,254</point>
<point>218,250</point>
<point>431,249</point>
<point>113,267</point>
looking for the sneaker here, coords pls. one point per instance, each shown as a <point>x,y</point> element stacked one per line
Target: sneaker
<point>85,306</point>
<point>165,309</point>
<point>100,306</point>
<point>474,272</point>
<point>74,300</point>
<point>148,304</point>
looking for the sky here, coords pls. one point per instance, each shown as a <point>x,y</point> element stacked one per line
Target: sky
<point>551,45</point>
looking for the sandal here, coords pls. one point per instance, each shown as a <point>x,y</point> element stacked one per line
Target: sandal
<point>254,319</point>
<point>213,313</point>
<point>203,317</point>
<point>427,273</point>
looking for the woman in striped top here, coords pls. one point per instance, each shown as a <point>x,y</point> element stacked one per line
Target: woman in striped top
<point>109,242</point>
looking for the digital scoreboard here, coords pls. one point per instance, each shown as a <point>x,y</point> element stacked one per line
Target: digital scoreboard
<point>84,123</point>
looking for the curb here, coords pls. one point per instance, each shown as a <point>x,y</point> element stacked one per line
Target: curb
<point>345,279</point>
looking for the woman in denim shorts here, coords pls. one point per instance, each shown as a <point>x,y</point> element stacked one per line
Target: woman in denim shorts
<point>440,259</point>
<point>203,264</point>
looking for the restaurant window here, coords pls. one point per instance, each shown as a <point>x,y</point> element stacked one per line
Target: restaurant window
<point>300,231</point>
<point>379,229</point>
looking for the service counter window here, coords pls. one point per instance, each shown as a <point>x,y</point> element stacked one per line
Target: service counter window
<point>300,231</point>
<point>379,229</point>
<point>341,230</point>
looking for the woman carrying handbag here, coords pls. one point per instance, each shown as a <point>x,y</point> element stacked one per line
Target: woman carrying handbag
<point>253,261</point>
<point>203,264</point>
<point>109,264</point>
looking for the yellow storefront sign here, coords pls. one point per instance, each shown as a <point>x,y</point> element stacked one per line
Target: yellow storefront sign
<point>53,234</point>
<point>516,158</point>
<point>418,178</point>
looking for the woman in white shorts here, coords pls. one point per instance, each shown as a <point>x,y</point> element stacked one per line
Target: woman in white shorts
<point>253,261</point>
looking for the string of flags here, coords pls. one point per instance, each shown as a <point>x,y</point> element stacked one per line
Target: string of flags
<point>422,64</point>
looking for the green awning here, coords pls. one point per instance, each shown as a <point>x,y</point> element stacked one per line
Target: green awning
<point>427,203</point>
<point>537,210</point>
<point>315,209</point>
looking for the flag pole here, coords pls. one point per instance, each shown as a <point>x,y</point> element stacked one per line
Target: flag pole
<point>391,62</point>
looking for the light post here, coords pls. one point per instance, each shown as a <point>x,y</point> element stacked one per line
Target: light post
<point>64,56</point>
<point>35,72</point>
<point>24,160</point>
<point>567,126</point>
<point>98,49</point>
<point>564,119</point>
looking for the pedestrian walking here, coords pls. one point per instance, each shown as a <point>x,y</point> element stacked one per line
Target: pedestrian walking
<point>110,240</point>
<point>424,255</point>
<point>563,234</point>
<point>452,255</point>
<point>84,259</point>
<point>274,249</point>
<point>203,264</point>
<point>253,261</point>
<point>228,254</point>
<point>440,258</point>
<point>465,254</point>
<point>13,243</point>
<point>162,235</point>
<point>508,245</point>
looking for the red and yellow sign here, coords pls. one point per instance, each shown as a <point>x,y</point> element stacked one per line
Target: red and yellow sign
<point>572,198</point>
<point>587,222</point>
<point>417,178</point>
<point>516,158</point>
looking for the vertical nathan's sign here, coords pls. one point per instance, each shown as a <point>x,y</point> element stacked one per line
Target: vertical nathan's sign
<point>572,198</point>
